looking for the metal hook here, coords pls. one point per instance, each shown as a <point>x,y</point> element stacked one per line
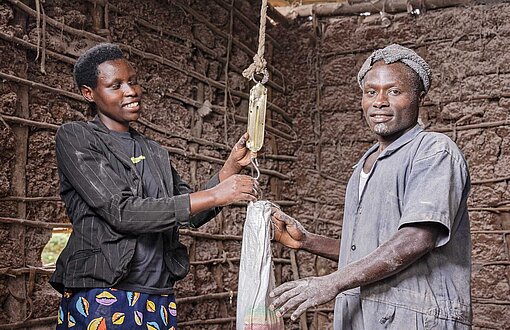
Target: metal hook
<point>255,164</point>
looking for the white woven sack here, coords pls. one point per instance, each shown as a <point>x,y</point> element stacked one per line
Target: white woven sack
<point>256,273</point>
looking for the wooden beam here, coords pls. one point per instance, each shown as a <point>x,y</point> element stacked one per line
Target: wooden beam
<point>345,9</point>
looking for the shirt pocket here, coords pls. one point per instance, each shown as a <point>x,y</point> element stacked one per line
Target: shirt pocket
<point>387,316</point>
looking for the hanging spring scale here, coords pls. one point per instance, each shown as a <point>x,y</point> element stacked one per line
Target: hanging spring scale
<point>257,118</point>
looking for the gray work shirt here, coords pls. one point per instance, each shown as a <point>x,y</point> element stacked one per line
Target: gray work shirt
<point>421,177</point>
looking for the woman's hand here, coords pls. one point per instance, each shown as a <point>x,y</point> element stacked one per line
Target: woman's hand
<point>236,188</point>
<point>239,158</point>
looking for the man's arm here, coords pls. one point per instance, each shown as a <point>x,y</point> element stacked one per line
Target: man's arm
<point>409,244</point>
<point>291,233</point>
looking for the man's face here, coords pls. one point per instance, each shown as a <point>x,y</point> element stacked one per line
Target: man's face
<point>391,99</point>
<point>117,95</point>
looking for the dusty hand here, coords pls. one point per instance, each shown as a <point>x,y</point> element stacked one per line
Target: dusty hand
<point>236,188</point>
<point>303,294</point>
<point>239,158</point>
<point>288,230</point>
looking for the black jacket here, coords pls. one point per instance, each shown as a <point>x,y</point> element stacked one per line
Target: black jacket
<point>102,192</point>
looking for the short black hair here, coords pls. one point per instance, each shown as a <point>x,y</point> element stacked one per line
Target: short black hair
<point>85,69</point>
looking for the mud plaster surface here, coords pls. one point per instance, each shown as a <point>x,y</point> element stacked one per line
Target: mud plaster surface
<point>473,61</point>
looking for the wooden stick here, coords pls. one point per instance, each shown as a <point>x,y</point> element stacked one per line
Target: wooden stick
<point>18,271</point>
<point>207,321</point>
<point>472,126</point>
<point>188,138</point>
<point>490,209</point>
<point>282,203</point>
<point>43,87</point>
<point>331,222</point>
<point>277,16</point>
<point>295,276</point>
<point>190,155</point>
<point>31,199</point>
<point>30,323</point>
<point>28,122</point>
<point>505,178</point>
<point>35,223</point>
<point>209,296</point>
<point>345,9</point>
<point>490,232</point>
<point>57,24</point>
<point>493,263</point>
<point>327,177</point>
<point>236,260</point>
<point>490,301</point>
<point>192,233</point>
<point>33,47</point>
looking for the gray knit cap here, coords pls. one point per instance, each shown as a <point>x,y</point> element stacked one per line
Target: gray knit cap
<point>394,53</point>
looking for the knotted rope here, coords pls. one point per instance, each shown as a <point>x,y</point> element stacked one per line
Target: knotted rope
<point>259,63</point>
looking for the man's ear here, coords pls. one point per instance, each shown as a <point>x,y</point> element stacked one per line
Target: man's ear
<point>422,97</point>
<point>87,93</point>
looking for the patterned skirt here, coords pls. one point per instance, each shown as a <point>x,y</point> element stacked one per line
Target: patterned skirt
<point>101,309</point>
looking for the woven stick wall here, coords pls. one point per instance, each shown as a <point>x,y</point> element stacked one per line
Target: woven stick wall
<point>189,58</point>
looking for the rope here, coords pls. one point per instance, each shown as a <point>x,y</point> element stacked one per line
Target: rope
<point>259,63</point>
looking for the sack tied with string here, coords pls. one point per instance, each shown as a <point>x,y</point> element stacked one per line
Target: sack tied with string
<point>256,273</point>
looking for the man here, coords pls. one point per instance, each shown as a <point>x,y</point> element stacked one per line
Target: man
<point>405,251</point>
<point>126,202</point>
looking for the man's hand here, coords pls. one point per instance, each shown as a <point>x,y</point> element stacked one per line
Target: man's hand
<point>303,294</point>
<point>239,158</point>
<point>288,230</point>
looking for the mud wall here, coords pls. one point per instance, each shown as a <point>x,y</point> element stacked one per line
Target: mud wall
<point>467,49</point>
<point>189,56</point>
<point>182,50</point>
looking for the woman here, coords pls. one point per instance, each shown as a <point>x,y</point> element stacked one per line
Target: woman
<point>126,203</point>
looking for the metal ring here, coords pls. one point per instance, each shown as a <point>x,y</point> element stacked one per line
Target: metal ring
<point>264,79</point>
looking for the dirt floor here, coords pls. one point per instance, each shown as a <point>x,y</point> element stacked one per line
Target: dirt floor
<point>181,60</point>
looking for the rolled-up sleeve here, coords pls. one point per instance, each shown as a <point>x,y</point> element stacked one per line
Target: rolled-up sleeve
<point>434,190</point>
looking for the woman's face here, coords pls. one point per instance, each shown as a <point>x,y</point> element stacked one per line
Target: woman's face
<point>117,95</point>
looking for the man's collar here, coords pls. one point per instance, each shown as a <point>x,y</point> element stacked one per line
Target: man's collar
<point>401,141</point>
<point>394,146</point>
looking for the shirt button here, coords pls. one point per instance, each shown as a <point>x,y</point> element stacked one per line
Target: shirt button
<point>353,247</point>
